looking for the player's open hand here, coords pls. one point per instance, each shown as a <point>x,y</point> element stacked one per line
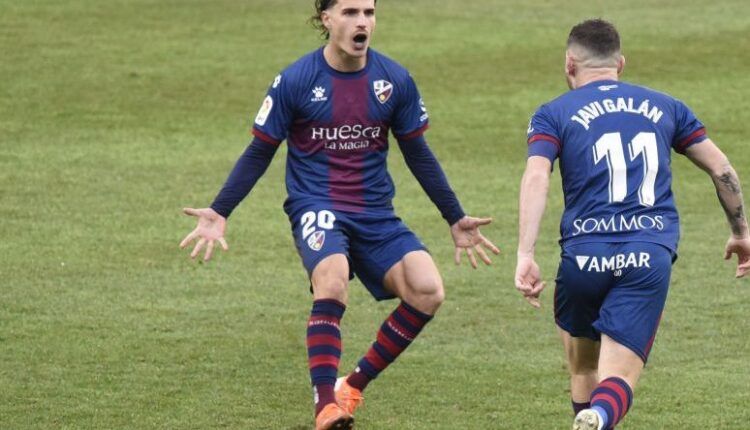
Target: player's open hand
<point>211,227</point>
<point>466,236</point>
<point>529,280</point>
<point>741,247</point>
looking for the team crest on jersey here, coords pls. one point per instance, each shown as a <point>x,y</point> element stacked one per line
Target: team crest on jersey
<point>316,240</point>
<point>319,94</point>
<point>383,90</point>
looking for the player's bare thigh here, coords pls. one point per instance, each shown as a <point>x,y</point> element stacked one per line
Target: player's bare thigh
<point>330,278</point>
<point>416,280</point>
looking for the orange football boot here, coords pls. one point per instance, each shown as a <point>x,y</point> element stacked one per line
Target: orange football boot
<point>348,397</point>
<point>334,417</point>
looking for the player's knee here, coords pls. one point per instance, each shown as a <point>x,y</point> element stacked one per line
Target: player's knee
<point>331,288</point>
<point>582,366</point>
<point>428,294</point>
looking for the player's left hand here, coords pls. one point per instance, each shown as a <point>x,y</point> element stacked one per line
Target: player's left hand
<point>741,247</point>
<point>529,279</point>
<point>466,236</point>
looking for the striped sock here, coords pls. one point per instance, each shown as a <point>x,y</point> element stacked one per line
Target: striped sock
<point>324,349</point>
<point>394,336</point>
<point>612,399</point>
<point>578,407</point>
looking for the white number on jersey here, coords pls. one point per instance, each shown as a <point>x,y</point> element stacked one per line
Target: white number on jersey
<point>325,221</point>
<point>609,147</point>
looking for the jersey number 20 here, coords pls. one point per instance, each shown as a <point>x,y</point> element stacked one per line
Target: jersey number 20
<point>325,221</point>
<point>609,147</point>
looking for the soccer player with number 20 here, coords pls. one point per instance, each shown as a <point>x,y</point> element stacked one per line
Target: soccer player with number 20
<point>335,108</point>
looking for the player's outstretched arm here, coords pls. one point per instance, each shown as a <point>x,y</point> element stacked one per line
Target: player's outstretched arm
<point>210,229</point>
<point>712,160</point>
<point>532,203</point>
<point>212,221</point>
<point>464,229</point>
<point>467,237</point>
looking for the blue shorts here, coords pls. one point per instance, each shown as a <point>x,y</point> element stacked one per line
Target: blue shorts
<point>618,289</point>
<point>372,241</point>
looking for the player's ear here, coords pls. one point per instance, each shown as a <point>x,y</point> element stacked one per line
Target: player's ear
<point>325,18</point>
<point>620,65</point>
<point>570,64</point>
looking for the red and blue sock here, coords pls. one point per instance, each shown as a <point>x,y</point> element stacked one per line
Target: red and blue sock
<point>324,349</point>
<point>612,399</point>
<point>394,336</point>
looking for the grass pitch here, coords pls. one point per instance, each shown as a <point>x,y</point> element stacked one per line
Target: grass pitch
<point>114,115</point>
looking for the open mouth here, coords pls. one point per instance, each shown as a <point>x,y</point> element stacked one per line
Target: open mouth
<point>360,38</point>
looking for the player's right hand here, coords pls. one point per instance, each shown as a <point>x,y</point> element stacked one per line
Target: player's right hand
<point>211,227</point>
<point>741,247</point>
<point>529,280</point>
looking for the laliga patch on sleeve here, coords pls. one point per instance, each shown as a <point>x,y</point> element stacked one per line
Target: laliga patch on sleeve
<point>265,109</point>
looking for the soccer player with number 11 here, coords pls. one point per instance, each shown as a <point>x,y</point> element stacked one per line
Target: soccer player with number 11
<point>620,227</point>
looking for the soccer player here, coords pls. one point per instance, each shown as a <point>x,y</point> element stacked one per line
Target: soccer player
<point>620,227</point>
<point>335,107</point>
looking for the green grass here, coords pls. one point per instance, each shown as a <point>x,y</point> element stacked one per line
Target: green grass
<point>114,115</point>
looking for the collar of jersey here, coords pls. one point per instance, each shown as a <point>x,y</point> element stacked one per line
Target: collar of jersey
<point>600,82</point>
<point>344,75</point>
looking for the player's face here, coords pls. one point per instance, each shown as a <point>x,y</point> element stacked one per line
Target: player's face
<point>350,24</point>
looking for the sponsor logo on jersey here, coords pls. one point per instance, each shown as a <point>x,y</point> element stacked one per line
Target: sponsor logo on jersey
<point>265,109</point>
<point>606,87</point>
<point>383,90</point>
<point>615,263</point>
<point>346,137</point>
<point>615,224</point>
<point>276,81</point>
<point>356,131</point>
<point>319,94</point>
<point>316,240</point>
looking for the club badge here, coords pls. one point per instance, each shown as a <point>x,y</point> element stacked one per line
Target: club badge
<point>316,240</point>
<point>383,90</point>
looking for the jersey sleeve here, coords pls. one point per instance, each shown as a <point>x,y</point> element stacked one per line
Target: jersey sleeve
<point>543,137</point>
<point>688,129</point>
<point>410,116</point>
<point>275,115</point>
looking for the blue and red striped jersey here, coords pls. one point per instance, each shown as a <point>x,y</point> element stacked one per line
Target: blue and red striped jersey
<point>614,143</point>
<point>336,126</point>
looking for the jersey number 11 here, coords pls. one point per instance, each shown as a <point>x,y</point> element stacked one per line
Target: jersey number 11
<point>609,147</point>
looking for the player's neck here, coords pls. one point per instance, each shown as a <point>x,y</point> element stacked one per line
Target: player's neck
<point>588,76</point>
<point>340,61</point>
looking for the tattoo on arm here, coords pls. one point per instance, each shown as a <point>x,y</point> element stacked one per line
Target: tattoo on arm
<point>730,182</point>
<point>730,196</point>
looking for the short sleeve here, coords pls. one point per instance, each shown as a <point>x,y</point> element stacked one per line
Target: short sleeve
<point>543,137</point>
<point>275,114</point>
<point>410,115</point>
<point>688,129</point>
